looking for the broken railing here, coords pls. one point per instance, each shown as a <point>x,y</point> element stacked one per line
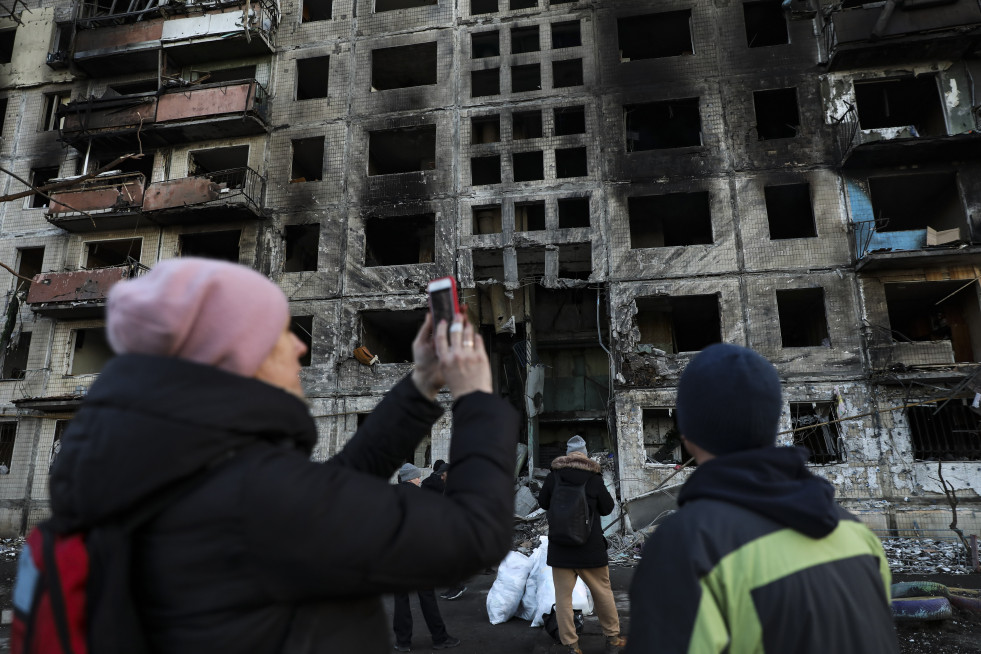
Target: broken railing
<point>92,14</point>
<point>33,383</point>
<point>845,129</point>
<point>108,192</point>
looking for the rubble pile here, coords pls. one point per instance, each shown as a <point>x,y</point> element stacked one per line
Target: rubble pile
<point>926,556</point>
<point>10,548</point>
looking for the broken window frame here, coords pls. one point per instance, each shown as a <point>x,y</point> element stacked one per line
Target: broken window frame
<point>50,121</point>
<point>16,357</point>
<point>389,342</point>
<point>417,64</point>
<point>800,305</point>
<point>698,331</point>
<point>651,47</point>
<point>411,240</point>
<point>8,440</point>
<point>824,442</point>
<point>112,255</point>
<point>40,176</point>
<point>776,15</point>
<point>667,442</point>
<point>301,247</point>
<point>95,338</point>
<point>943,431</point>
<point>765,101</point>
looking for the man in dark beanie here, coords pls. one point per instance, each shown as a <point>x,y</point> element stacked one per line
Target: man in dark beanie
<point>759,557</point>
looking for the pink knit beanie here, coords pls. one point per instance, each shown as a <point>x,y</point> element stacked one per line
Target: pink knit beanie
<point>212,312</point>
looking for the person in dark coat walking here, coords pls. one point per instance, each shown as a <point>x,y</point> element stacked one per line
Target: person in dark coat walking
<point>272,552</point>
<point>588,561</point>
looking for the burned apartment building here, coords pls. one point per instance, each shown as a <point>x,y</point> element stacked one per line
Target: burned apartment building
<point>615,184</point>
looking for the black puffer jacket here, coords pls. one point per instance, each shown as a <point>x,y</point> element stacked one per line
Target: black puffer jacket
<point>273,552</point>
<point>577,469</point>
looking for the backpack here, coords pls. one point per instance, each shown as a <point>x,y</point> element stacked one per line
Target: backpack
<point>570,520</point>
<point>551,623</point>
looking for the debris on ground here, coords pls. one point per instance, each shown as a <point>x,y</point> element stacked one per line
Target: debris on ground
<point>10,548</point>
<point>926,556</point>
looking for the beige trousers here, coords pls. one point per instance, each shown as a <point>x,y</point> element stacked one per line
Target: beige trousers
<point>598,582</point>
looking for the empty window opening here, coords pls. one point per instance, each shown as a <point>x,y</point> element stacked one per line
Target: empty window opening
<point>135,88</point>
<point>485,82</point>
<point>950,431</point>
<point>403,66</point>
<point>399,240</point>
<point>777,116</point>
<point>531,264</point>
<point>526,78</point>
<point>142,165</point>
<point>558,315</point>
<point>30,265</point>
<point>3,114</point>
<point>789,212</point>
<point>666,34</point>
<point>483,6</point>
<point>918,202</point>
<point>49,117</point>
<point>675,324</point>
<point>90,351</point>
<point>8,434</point>
<point>658,125</point>
<point>59,431</point>
<point>815,431</point>
<point>488,264</point>
<point>553,435</point>
<point>40,177</point>
<point>302,326</point>
<point>803,321</point>
<point>312,77</point>
<point>525,39</point>
<point>566,35</point>
<point>573,212</point>
<point>222,245</point>
<point>314,10</point>
<point>308,160</point>
<point>567,73</point>
<point>576,380</point>
<point>396,151</point>
<point>393,5</point>
<point>485,170</point>
<point>15,358</point>
<point>522,4</point>
<point>526,125</point>
<point>7,45</point>
<point>389,334</point>
<point>571,162</point>
<point>225,75</point>
<point>529,216</point>
<point>485,129</point>
<point>487,219</point>
<point>575,261</point>
<point>485,44</point>
<point>902,102</point>
<point>936,311</point>
<point>213,160</point>
<point>570,120</point>
<point>662,439</point>
<point>118,252</point>
<point>302,247</point>
<point>765,23</point>
<point>670,220</point>
<point>528,166</point>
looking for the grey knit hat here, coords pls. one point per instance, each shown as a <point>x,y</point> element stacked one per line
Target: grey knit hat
<point>575,444</point>
<point>408,472</point>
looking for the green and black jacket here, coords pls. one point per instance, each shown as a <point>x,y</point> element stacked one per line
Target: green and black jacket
<point>761,559</point>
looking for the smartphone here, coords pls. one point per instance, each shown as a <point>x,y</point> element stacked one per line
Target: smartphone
<point>443,301</point>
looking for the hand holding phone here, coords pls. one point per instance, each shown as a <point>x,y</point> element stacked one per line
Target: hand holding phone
<point>443,301</point>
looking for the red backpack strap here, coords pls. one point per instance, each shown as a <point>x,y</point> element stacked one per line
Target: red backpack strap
<point>53,581</point>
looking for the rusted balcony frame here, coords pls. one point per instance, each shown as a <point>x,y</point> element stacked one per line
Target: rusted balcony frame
<point>83,21</point>
<point>241,182</point>
<point>75,305</point>
<point>120,181</point>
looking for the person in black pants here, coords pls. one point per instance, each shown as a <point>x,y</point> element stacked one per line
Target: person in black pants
<point>402,614</point>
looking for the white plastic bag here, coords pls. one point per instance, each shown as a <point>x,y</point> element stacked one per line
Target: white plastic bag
<point>545,589</point>
<point>505,594</point>
<point>529,601</point>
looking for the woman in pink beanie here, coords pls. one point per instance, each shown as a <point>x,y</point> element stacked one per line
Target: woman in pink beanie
<point>254,549</point>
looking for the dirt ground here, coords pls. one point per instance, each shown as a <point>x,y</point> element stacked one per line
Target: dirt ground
<point>959,635</point>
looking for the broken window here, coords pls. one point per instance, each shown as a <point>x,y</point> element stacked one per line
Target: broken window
<point>40,177</point>
<point>803,322</point>
<point>302,326</point>
<point>662,440</point>
<point>389,334</point>
<point>901,102</point>
<point>573,212</point>
<point>571,162</point>
<point>673,219</point>
<point>567,73</point>
<point>765,24</point>
<point>483,6</point>
<point>59,431</point>
<point>569,120</point>
<point>222,245</point>
<point>949,431</point>
<point>485,44</point>
<point>930,201</point>
<point>485,82</point>
<point>667,124</point>
<point>90,351</point>
<point>31,261</point>
<point>302,247</point>
<point>117,252</point>
<point>399,240</point>
<point>403,66</point>
<point>393,5</point>
<point>485,170</point>
<point>49,116</point>
<point>561,315</point>
<point>8,434</point>
<point>224,75</point>
<point>485,129</point>
<point>576,379</point>
<point>529,216</point>
<point>213,160</point>
<point>135,88</point>
<point>15,358</point>
<point>3,114</point>
<point>531,264</point>
<point>665,34</point>
<point>566,35</point>
<point>523,4</point>
<point>488,264</point>
<point>685,323</point>
<point>312,77</point>
<point>789,212</point>
<point>528,166</point>
<point>816,430</point>
<point>314,10</point>
<point>575,261</point>
<point>487,219</point>
<point>526,124</point>
<point>144,165</point>
<point>7,45</point>
<point>525,39</point>
<point>408,150</point>
<point>777,116</point>
<point>308,160</point>
<point>935,311</point>
<point>526,78</point>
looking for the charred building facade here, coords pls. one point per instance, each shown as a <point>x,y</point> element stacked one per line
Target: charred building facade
<point>615,185</point>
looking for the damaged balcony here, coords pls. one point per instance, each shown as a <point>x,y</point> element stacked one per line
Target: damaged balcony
<point>114,37</point>
<point>77,294</point>
<point>893,32</point>
<point>112,200</point>
<point>165,118</point>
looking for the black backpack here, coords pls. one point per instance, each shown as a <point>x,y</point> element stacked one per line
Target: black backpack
<point>570,519</point>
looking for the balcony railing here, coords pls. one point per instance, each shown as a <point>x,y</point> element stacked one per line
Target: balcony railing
<point>80,293</point>
<point>112,193</point>
<point>93,14</point>
<point>242,186</point>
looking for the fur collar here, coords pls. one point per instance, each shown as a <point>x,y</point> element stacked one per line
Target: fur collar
<point>576,460</point>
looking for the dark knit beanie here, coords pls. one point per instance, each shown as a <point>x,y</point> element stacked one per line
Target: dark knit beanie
<point>729,400</point>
